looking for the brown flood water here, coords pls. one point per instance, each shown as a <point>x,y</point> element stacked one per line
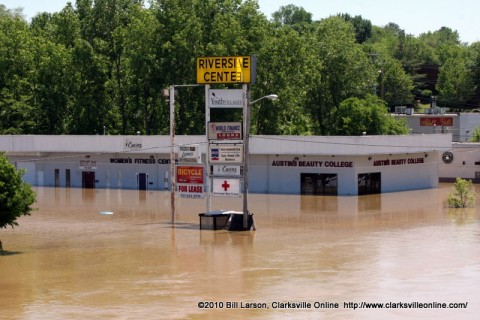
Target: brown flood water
<point>67,261</point>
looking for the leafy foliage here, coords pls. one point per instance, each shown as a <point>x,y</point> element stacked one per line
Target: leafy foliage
<point>463,195</point>
<point>370,116</point>
<point>103,64</point>
<point>16,196</point>
<point>475,137</point>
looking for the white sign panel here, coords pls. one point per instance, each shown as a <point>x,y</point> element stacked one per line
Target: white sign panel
<point>227,171</point>
<point>226,154</point>
<point>225,98</point>
<point>132,144</point>
<point>225,131</point>
<point>88,165</point>
<point>189,153</point>
<point>191,191</point>
<point>226,187</point>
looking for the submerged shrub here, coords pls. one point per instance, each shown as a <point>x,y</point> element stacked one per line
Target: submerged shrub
<point>463,195</point>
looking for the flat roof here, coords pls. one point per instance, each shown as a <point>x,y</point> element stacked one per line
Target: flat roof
<point>259,144</point>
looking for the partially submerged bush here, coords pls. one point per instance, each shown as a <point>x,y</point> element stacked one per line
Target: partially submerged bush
<point>463,196</point>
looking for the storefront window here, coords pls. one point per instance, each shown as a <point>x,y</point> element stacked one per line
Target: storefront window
<point>369,183</point>
<point>319,184</point>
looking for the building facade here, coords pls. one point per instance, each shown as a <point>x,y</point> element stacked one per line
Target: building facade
<point>313,165</point>
<point>460,125</point>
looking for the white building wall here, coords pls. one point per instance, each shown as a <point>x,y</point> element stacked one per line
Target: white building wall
<point>286,179</point>
<point>465,164</point>
<point>41,155</point>
<point>419,176</point>
<point>30,170</point>
<point>468,122</point>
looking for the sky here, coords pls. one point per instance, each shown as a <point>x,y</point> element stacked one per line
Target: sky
<point>413,16</point>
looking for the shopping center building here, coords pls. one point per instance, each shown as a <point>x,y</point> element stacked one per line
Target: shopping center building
<point>316,165</point>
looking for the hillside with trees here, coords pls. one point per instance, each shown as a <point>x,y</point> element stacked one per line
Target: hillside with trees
<point>101,66</point>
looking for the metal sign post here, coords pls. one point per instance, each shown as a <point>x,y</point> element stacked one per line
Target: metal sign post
<point>172,152</point>
<point>207,157</point>
<point>246,150</point>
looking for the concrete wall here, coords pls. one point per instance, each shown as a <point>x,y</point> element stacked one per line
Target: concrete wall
<point>465,164</point>
<point>118,168</point>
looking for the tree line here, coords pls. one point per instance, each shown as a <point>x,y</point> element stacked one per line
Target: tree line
<point>101,66</point>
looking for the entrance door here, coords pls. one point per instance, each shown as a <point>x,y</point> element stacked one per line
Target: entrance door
<point>142,181</point>
<point>88,179</point>
<point>369,183</point>
<point>67,178</point>
<point>57,178</point>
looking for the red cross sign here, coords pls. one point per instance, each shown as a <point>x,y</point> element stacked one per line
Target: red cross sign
<point>225,185</point>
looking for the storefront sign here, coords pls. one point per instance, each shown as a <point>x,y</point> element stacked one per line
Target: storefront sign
<point>190,191</point>
<point>223,70</point>
<point>225,98</point>
<point>189,153</point>
<point>436,121</point>
<point>150,160</point>
<point>190,181</point>
<point>87,165</point>
<point>132,144</point>
<point>189,174</point>
<point>226,187</point>
<point>227,171</point>
<point>397,162</point>
<point>225,131</point>
<point>226,154</point>
<point>310,164</point>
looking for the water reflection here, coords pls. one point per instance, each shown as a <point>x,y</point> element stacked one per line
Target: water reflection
<point>73,263</point>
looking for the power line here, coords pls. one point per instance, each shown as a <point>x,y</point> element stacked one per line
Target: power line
<point>272,138</point>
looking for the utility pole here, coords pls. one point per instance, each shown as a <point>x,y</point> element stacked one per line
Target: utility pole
<point>246,151</point>
<point>172,152</point>
<point>172,146</point>
<point>382,88</point>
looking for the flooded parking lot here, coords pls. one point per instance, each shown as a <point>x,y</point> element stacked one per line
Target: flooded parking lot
<point>310,258</point>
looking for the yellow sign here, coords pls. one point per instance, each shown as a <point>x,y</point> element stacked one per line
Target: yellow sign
<point>226,70</point>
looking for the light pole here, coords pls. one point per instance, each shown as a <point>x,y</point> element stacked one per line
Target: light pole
<point>246,148</point>
<point>272,97</point>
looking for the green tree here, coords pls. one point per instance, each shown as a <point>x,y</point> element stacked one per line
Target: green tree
<point>370,115</point>
<point>463,195</point>
<point>456,84</point>
<point>396,84</point>
<point>363,27</point>
<point>346,71</point>
<point>190,29</point>
<point>90,105</point>
<point>102,25</point>
<point>16,59</point>
<point>16,196</point>
<point>51,86</point>
<point>141,80</point>
<point>293,16</point>
<point>475,137</point>
<point>286,75</point>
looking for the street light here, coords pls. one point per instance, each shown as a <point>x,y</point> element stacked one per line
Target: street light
<point>246,157</point>
<point>272,97</point>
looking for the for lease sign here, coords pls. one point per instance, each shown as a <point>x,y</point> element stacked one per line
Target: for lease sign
<point>190,181</point>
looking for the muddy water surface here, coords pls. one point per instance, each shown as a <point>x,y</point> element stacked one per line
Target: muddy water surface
<point>67,261</point>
